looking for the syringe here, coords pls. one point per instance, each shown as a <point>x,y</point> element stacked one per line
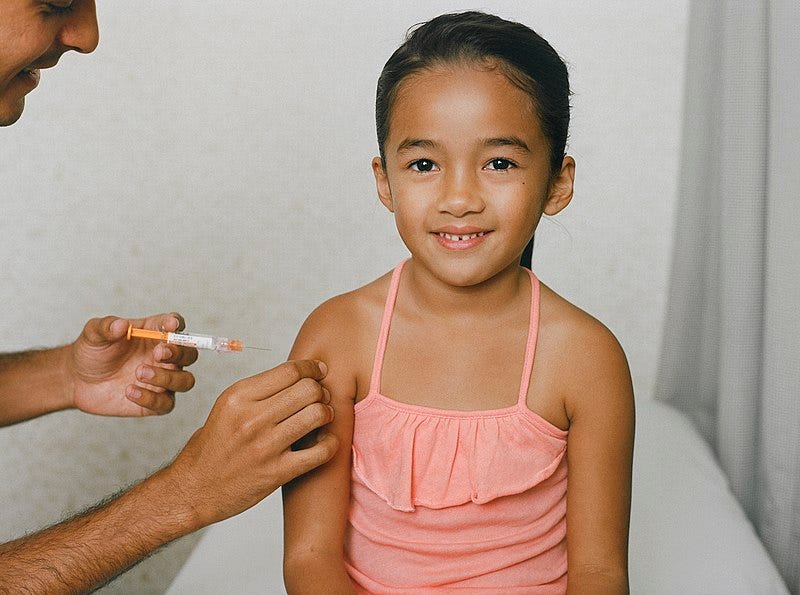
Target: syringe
<point>222,344</point>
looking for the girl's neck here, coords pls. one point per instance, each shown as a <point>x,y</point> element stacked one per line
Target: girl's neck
<point>489,298</point>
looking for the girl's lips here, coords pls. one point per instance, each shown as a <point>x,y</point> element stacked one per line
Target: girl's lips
<point>461,241</point>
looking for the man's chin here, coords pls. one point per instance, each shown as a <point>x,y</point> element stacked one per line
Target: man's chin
<point>11,113</point>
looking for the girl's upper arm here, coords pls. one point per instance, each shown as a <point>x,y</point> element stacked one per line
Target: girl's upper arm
<point>316,504</point>
<point>600,406</point>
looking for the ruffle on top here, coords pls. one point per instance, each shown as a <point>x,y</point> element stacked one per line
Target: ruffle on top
<point>417,456</point>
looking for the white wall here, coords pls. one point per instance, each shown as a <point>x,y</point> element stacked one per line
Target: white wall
<point>214,159</point>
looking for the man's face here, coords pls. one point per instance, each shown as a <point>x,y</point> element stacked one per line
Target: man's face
<point>33,35</point>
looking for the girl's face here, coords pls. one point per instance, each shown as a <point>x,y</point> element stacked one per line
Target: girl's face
<point>33,35</point>
<point>467,171</point>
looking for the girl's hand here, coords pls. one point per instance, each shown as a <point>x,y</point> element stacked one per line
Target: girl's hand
<point>107,374</point>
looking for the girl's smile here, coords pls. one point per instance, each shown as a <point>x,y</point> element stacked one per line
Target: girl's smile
<point>454,238</point>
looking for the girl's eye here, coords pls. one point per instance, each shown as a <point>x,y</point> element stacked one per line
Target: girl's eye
<point>424,165</point>
<point>500,164</point>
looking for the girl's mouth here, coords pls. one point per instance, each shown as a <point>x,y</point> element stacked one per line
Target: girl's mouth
<point>461,241</point>
<point>461,238</point>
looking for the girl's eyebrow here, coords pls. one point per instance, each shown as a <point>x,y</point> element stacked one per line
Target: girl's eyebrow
<point>415,143</point>
<point>507,141</point>
<point>499,141</point>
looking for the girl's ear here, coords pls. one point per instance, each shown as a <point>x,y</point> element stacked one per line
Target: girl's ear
<point>561,187</point>
<point>382,183</point>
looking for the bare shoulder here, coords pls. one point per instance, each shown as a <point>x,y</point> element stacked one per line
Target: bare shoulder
<point>342,332</point>
<point>342,319</point>
<point>592,368</point>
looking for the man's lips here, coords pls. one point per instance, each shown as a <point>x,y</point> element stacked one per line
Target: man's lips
<point>29,76</point>
<point>44,63</point>
<point>33,71</point>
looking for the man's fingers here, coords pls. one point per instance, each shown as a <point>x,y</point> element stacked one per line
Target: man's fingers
<point>175,354</point>
<point>172,380</point>
<point>266,384</point>
<point>170,322</point>
<point>306,420</point>
<point>298,396</point>
<point>99,330</point>
<point>298,462</point>
<point>113,328</point>
<point>156,403</point>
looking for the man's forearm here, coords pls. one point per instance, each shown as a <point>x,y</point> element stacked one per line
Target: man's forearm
<point>32,383</point>
<point>90,549</point>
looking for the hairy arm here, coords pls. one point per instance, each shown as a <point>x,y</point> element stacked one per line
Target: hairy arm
<point>87,551</point>
<point>316,505</point>
<point>599,453</point>
<point>32,383</point>
<point>101,372</point>
<point>240,455</point>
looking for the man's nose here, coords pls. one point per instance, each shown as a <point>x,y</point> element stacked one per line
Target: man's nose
<point>80,31</point>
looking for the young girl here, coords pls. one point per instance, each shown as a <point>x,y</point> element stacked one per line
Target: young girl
<point>467,392</point>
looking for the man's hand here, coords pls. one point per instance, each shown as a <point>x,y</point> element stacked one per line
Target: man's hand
<point>107,374</point>
<point>241,455</point>
<point>243,452</point>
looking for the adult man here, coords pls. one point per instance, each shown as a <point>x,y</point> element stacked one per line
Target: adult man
<point>241,454</point>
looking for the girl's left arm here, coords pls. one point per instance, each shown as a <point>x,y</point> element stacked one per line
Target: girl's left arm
<point>315,505</point>
<point>599,404</point>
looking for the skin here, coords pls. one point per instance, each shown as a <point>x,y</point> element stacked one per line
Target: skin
<point>101,373</point>
<point>33,36</point>
<point>240,455</point>
<point>465,154</point>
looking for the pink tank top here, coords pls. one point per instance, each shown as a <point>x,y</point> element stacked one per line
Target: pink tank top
<point>456,500</point>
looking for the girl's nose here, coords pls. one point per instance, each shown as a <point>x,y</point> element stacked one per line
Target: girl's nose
<point>80,31</point>
<point>460,194</point>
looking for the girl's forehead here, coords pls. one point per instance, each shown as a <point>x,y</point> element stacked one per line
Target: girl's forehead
<point>481,92</point>
<point>442,70</point>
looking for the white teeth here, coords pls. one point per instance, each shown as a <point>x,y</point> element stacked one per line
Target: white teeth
<point>461,238</point>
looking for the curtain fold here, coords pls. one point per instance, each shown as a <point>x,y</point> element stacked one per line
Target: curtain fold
<point>731,353</point>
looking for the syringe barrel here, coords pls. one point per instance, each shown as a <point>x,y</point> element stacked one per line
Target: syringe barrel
<point>188,339</point>
<point>205,342</point>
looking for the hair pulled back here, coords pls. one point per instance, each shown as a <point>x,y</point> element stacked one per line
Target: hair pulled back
<point>524,56</point>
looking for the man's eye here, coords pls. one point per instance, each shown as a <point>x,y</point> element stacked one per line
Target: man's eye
<point>60,8</point>
<point>500,164</point>
<point>423,165</point>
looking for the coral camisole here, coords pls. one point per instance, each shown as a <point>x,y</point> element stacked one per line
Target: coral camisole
<point>446,500</point>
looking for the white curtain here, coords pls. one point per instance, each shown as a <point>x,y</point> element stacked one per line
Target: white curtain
<point>731,353</point>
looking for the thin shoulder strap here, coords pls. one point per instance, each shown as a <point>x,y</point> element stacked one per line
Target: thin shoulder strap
<point>530,347</point>
<point>391,298</point>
